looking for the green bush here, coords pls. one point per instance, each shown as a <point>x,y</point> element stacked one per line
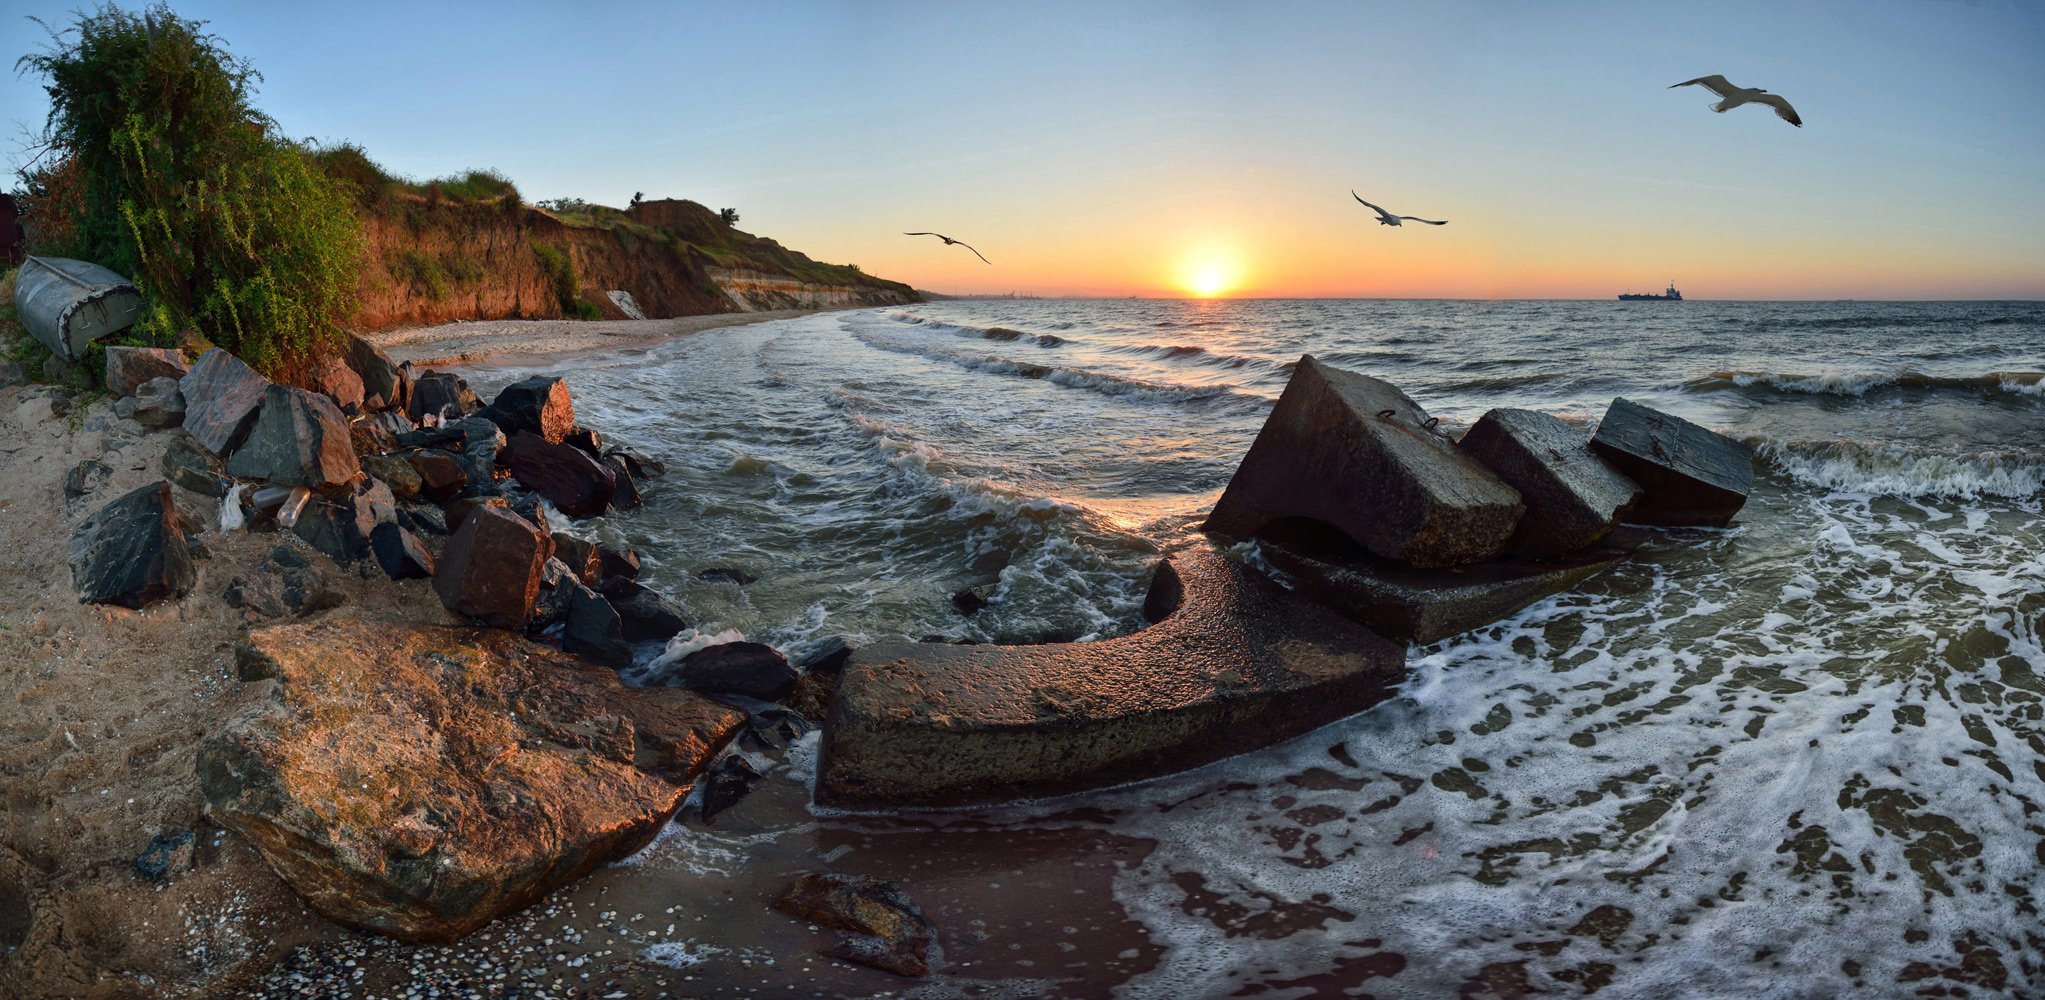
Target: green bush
<point>555,263</point>
<point>223,225</point>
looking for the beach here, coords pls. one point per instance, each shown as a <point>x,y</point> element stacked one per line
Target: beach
<point>538,341</point>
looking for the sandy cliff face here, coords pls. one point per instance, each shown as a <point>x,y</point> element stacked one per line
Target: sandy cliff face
<point>449,262</point>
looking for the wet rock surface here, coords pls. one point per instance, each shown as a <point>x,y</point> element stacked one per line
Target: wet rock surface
<point>504,769</point>
<point>1573,498</point>
<point>1355,452</point>
<point>1237,663</point>
<point>539,405</point>
<point>572,481</point>
<point>1689,475</point>
<point>731,780</point>
<point>625,492</point>
<point>752,669</point>
<point>490,570</point>
<point>884,929</point>
<point>442,395</point>
<point>129,367</point>
<point>300,438</point>
<point>132,551</point>
<point>645,613</point>
<point>222,395</point>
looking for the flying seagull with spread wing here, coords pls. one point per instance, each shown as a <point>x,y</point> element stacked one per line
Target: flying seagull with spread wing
<point>1732,97</point>
<point>948,241</point>
<point>1388,219</point>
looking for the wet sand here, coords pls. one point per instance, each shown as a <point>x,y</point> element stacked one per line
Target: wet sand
<point>541,341</point>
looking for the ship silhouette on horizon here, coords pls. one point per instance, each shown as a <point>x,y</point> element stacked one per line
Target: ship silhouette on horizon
<point>1669,296</point>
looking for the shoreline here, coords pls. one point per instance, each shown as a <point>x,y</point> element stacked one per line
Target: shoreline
<point>535,342</point>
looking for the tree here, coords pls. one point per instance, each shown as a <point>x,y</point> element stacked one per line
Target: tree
<point>637,197</point>
<point>179,181</point>
<point>729,215</point>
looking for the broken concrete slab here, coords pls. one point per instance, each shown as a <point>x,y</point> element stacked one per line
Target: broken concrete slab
<point>1235,664</point>
<point>1689,475</point>
<point>1573,497</point>
<point>1355,452</point>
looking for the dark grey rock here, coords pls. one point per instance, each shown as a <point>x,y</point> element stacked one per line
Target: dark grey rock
<point>592,627</point>
<point>625,492</point>
<point>399,552</point>
<point>132,551</point>
<point>727,574</point>
<point>617,562</point>
<point>85,479</point>
<point>1573,497</point>
<point>441,475</point>
<point>752,669</point>
<point>968,602</point>
<point>826,657</point>
<point>299,438</point>
<point>539,405</point>
<point>383,382</point>
<point>731,780</point>
<point>286,583</point>
<point>192,467</point>
<point>642,466</point>
<point>1356,453</point>
<point>1689,475</point>
<point>129,367</point>
<point>585,439</point>
<point>343,529</point>
<point>167,856</point>
<point>159,404</point>
<point>645,614</point>
<point>580,555</point>
<point>441,394</point>
<point>422,519</point>
<point>222,396</point>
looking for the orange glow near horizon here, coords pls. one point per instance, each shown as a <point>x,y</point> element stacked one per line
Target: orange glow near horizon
<point>1210,272</point>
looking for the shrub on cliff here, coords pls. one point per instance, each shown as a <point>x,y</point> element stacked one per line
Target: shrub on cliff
<point>167,172</point>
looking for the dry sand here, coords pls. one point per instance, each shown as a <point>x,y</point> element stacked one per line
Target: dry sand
<point>498,341</point>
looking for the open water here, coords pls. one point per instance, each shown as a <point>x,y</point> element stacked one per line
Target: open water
<point>1802,756</point>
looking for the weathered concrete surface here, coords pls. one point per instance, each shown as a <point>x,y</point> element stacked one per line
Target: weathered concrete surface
<point>1237,663</point>
<point>1355,452</point>
<point>1426,605</point>
<point>421,782</point>
<point>1690,475</point>
<point>1573,497</point>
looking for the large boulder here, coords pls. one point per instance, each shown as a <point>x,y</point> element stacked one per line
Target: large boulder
<point>384,383</point>
<point>572,481</point>
<point>299,439</point>
<point>342,528</point>
<point>646,613</point>
<point>883,928</point>
<point>1573,498</point>
<point>539,404</point>
<point>581,557</point>
<point>159,404</point>
<point>441,475</point>
<point>444,395</point>
<point>592,627</point>
<point>129,367</point>
<point>420,782</point>
<point>1690,475</point>
<point>1356,453</point>
<point>1234,663</point>
<point>338,382</point>
<point>222,395</point>
<point>187,464</point>
<point>132,551</point>
<point>751,669</point>
<point>490,569</point>
<point>400,553</point>
<point>625,496</point>
<point>396,472</point>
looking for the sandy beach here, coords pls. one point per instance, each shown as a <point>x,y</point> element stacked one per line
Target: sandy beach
<point>536,341</point>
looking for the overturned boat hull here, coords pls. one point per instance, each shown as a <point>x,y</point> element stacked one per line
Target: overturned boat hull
<point>67,304</point>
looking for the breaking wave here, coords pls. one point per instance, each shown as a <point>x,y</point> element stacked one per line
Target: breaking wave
<point>1904,471</point>
<point>1861,383</point>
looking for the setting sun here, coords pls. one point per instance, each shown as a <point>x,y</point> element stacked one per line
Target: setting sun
<point>1210,272</point>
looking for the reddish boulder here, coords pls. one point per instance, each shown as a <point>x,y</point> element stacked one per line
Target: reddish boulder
<point>338,382</point>
<point>581,558</point>
<point>572,481</point>
<point>490,570</point>
<point>441,475</point>
<point>129,367</point>
<point>222,395</point>
<point>539,404</point>
<point>300,438</point>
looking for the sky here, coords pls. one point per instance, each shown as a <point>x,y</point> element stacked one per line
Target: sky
<point>1164,149</point>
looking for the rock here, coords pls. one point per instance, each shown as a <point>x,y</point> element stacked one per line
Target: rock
<point>188,465</point>
<point>491,568</point>
<point>828,656</point>
<point>129,367</point>
<point>622,563</point>
<point>569,479</point>
<point>581,557</point>
<point>132,551</point>
<point>1573,497</point>
<point>773,729</point>
<point>299,439</point>
<point>812,695</point>
<point>338,382</point>
<point>1235,664</point>
<point>124,407</point>
<point>422,519</point>
<point>12,374</point>
<point>86,478</point>
<point>727,574</point>
<point>641,465</point>
<point>625,494</point>
<point>482,443</point>
<point>441,394</point>
<point>222,396</point>
<point>592,627</point>
<point>396,472</point>
<point>159,404</point>
<point>1688,475</point>
<point>459,510</point>
<point>731,780</point>
<point>521,769</point>
<point>539,404</point>
<point>1355,452</point>
<point>285,583</point>
<point>168,856</point>
<point>399,552</point>
<point>447,436</point>
<point>383,382</point>
<point>343,529</point>
<point>441,475</point>
<point>530,507</point>
<point>887,932</point>
<point>585,439</point>
<point>371,437</point>
<point>1427,605</point>
<point>752,669</point>
<point>646,615</point>
<point>968,602</point>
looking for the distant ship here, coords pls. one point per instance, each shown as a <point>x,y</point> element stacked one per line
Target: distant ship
<point>1669,296</point>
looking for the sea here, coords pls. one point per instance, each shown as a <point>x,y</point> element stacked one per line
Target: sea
<point>1801,756</point>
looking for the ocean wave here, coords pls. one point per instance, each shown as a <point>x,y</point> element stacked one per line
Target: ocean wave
<point>981,332</point>
<point>1201,355</point>
<point>1121,386</point>
<point>1902,471</point>
<point>1861,383</point>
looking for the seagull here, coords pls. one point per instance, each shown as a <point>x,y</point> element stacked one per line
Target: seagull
<point>1388,219</point>
<point>1736,96</point>
<point>948,241</point>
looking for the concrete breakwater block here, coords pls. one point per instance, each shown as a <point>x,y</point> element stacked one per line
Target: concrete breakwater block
<point>1355,452</point>
<point>1690,475</point>
<point>1573,497</point>
<point>1428,605</point>
<point>1234,663</point>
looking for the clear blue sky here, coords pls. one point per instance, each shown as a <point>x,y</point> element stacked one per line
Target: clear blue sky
<point>1118,148</point>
